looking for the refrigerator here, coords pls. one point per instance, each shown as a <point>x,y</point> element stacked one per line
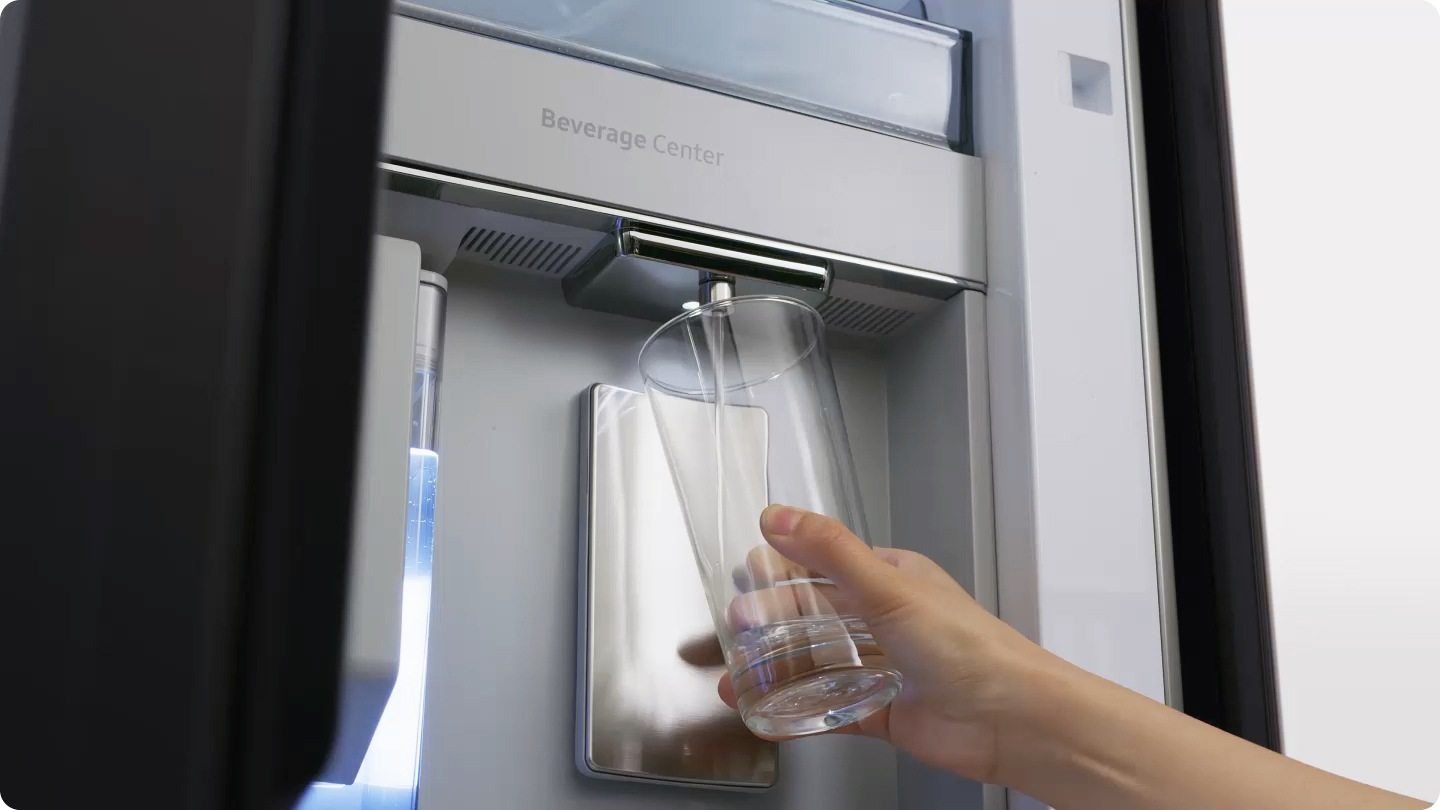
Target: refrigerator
<point>308,306</point>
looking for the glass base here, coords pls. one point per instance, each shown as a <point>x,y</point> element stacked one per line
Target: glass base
<point>822,701</point>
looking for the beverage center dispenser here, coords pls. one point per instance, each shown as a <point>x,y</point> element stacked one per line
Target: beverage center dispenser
<point>571,214</point>
<point>950,185</point>
<point>578,182</point>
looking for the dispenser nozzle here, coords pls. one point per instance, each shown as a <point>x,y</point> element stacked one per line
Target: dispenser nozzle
<point>716,288</point>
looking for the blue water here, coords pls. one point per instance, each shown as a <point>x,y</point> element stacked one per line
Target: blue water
<point>390,772</point>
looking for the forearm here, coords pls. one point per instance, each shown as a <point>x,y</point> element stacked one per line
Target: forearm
<point>1083,743</point>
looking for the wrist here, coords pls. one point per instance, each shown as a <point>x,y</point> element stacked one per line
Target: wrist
<point>1045,715</point>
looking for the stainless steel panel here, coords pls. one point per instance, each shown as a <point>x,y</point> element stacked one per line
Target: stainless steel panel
<point>940,493</point>
<point>644,713</point>
<point>500,695</point>
<point>850,63</point>
<point>479,107</point>
<point>986,589</point>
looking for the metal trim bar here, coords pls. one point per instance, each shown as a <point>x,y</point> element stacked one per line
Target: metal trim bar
<point>718,258</point>
<point>1154,390</point>
<point>600,217</point>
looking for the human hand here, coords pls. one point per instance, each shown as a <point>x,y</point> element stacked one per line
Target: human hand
<point>954,656</point>
<point>982,701</point>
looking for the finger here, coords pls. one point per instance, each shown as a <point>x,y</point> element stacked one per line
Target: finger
<point>759,608</point>
<point>824,545</point>
<point>702,651</point>
<point>763,567</point>
<point>771,605</point>
<point>726,689</point>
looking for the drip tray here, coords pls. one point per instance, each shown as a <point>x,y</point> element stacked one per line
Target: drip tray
<point>644,713</point>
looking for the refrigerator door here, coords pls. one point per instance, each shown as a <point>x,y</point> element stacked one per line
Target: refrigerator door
<point>182,350</point>
<point>185,345</point>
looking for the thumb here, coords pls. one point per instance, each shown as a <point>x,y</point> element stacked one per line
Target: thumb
<point>825,546</point>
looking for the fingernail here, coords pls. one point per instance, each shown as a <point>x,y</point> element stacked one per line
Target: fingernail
<point>779,520</point>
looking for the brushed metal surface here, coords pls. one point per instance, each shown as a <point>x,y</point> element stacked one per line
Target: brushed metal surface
<point>644,713</point>
<point>873,51</point>
<point>472,106</point>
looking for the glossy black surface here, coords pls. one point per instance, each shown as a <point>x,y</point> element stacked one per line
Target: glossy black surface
<point>185,244</point>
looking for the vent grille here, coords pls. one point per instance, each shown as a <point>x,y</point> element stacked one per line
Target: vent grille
<point>520,252</point>
<point>857,316</point>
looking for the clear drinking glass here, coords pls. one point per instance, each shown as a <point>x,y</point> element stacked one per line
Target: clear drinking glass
<point>745,400</point>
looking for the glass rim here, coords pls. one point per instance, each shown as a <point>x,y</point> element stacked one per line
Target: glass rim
<point>704,309</point>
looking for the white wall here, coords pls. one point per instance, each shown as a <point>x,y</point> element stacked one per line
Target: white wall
<point>1336,115</point>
